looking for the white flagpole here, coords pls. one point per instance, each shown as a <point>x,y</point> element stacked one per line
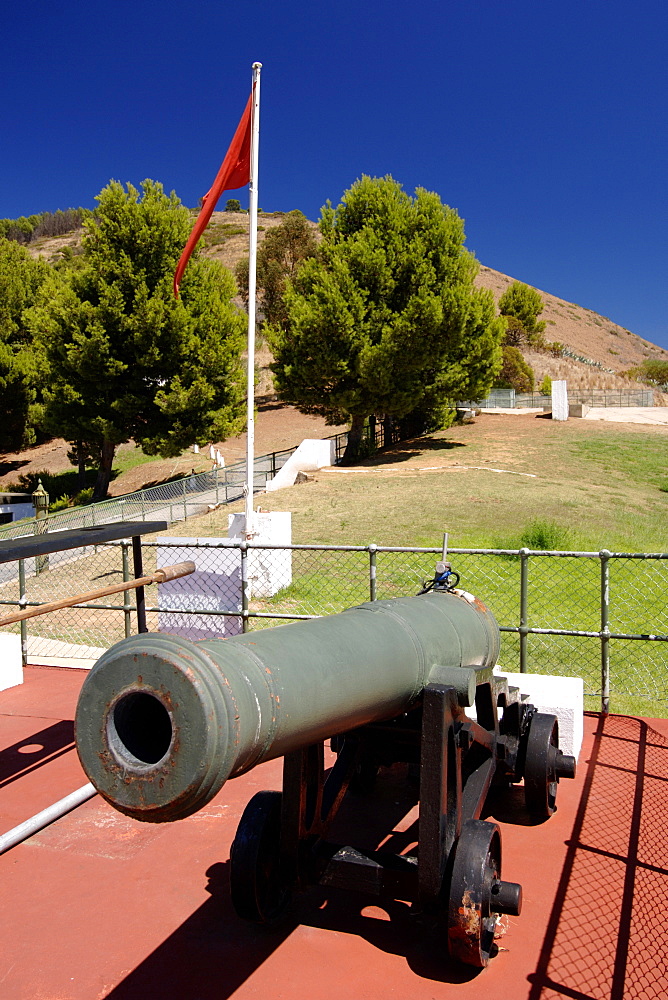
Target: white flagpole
<point>252,270</point>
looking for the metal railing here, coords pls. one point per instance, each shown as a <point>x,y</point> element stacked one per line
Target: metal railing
<point>173,501</point>
<point>598,615</point>
<point>510,399</point>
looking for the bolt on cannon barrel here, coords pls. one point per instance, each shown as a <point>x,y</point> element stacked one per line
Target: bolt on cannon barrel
<point>163,722</point>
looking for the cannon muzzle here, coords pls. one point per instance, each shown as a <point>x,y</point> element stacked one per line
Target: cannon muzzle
<point>163,722</point>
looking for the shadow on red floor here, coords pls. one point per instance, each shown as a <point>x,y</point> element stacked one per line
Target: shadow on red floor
<point>607,935</point>
<point>35,750</point>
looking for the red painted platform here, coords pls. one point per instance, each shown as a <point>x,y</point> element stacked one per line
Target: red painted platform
<point>98,905</point>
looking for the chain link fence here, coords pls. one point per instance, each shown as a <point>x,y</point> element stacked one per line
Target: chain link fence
<point>174,501</point>
<point>509,399</point>
<point>597,615</point>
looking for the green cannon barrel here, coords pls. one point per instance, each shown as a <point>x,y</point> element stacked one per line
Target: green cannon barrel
<point>163,722</point>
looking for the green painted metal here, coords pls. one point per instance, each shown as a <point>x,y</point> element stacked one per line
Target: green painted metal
<point>162,722</point>
<point>524,606</point>
<point>605,631</point>
<point>22,603</point>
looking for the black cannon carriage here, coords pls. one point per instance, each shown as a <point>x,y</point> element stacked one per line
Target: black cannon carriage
<point>162,723</point>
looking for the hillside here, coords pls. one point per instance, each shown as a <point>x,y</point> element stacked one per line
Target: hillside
<point>581,330</point>
<point>586,333</point>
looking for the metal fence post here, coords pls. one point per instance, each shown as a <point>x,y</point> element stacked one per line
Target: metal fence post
<point>138,571</point>
<point>185,508</point>
<point>23,600</point>
<point>216,471</point>
<point>127,603</point>
<point>524,609</point>
<point>372,571</point>
<point>243,548</point>
<point>605,630</point>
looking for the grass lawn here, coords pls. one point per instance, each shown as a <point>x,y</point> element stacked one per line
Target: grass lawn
<point>598,484</point>
<point>590,485</point>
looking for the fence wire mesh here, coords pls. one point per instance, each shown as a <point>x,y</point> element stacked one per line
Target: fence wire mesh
<point>509,398</point>
<point>173,501</point>
<point>614,874</point>
<point>563,593</point>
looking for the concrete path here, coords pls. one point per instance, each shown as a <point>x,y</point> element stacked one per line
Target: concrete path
<point>630,414</point>
<point>617,414</point>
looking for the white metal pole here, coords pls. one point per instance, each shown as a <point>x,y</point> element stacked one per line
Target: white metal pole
<point>252,271</point>
<point>41,819</point>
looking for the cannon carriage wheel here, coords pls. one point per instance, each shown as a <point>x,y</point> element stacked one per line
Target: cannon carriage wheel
<point>477,894</point>
<point>255,886</point>
<point>544,764</point>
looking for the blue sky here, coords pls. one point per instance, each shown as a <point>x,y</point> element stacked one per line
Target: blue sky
<point>542,123</point>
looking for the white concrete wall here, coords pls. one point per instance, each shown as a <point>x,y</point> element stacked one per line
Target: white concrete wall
<point>560,696</point>
<point>311,454</point>
<point>11,668</point>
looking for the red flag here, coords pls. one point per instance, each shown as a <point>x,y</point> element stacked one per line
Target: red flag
<point>234,172</point>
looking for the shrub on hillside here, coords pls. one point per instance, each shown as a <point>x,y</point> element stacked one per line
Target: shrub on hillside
<point>652,372</point>
<point>33,227</point>
<point>58,223</point>
<point>545,536</point>
<point>515,332</point>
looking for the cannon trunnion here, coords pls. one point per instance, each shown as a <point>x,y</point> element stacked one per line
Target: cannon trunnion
<point>162,723</point>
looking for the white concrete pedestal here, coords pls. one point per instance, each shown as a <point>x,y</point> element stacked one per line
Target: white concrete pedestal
<point>11,667</point>
<point>560,696</point>
<point>269,570</point>
<point>214,586</point>
<point>559,399</point>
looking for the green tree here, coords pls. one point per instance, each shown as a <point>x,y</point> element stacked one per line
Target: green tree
<point>653,371</point>
<point>279,256</point>
<point>126,360</point>
<point>515,332</point>
<point>385,317</point>
<point>232,205</point>
<point>20,280</point>
<point>524,304</point>
<point>515,372</point>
